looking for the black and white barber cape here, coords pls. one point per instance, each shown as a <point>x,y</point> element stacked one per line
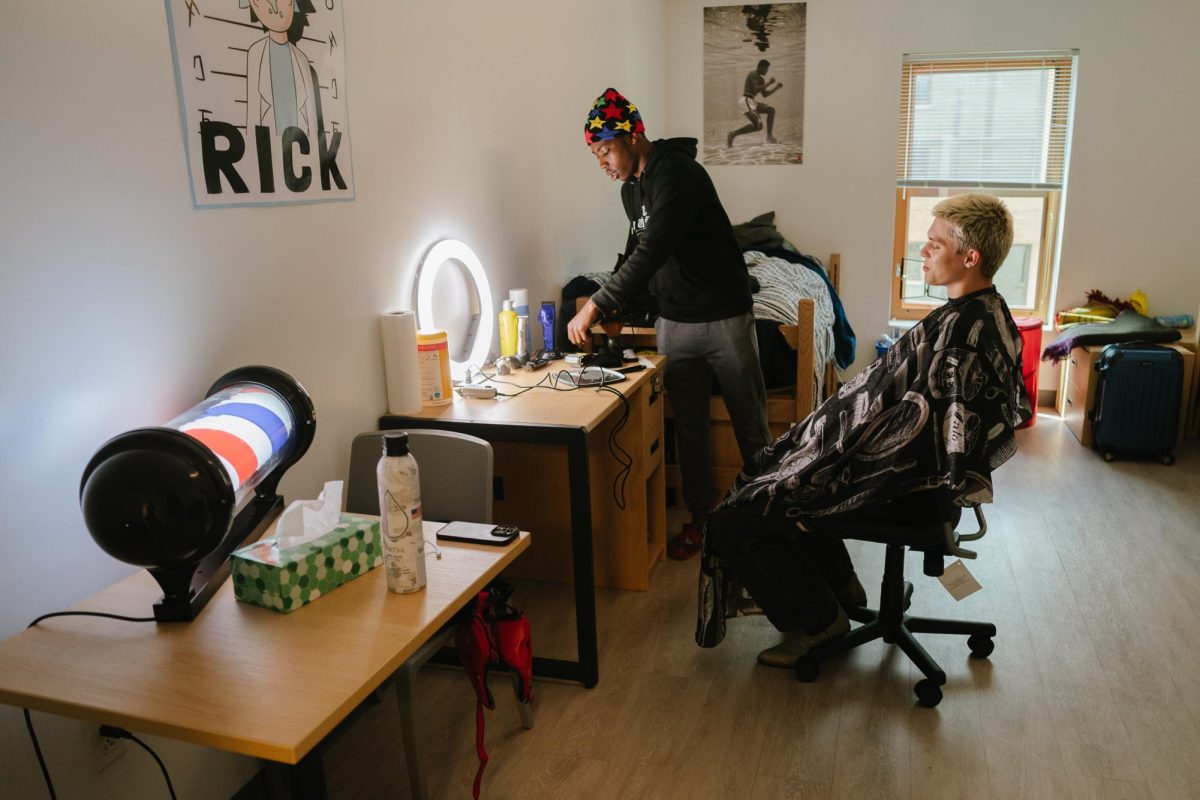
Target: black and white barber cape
<point>937,411</point>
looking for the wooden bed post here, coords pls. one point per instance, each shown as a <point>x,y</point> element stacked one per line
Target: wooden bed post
<point>830,383</point>
<point>805,375</point>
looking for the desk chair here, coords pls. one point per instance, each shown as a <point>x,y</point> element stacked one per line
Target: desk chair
<point>456,484</point>
<point>936,540</point>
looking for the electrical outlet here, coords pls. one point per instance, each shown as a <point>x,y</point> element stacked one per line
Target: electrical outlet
<point>109,751</point>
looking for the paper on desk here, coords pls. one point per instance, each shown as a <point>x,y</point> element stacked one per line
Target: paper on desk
<point>304,520</point>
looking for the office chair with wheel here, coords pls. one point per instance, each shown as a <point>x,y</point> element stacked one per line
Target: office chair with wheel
<point>936,539</point>
<point>456,484</point>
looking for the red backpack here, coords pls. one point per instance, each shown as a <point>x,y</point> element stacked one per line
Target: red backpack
<point>493,632</point>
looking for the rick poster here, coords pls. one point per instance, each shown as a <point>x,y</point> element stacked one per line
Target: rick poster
<point>262,95</point>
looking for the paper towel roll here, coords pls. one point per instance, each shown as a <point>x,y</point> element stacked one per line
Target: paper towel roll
<point>400,362</point>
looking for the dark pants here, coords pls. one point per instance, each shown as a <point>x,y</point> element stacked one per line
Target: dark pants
<point>696,351</point>
<point>788,572</point>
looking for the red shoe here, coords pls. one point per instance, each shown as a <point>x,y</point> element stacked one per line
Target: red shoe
<point>687,543</point>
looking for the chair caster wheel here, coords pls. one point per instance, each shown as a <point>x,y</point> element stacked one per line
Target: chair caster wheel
<point>981,646</point>
<point>806,670</point>
<point>1168,459</point>
<point>1109,456</point>
<point>929,694</point>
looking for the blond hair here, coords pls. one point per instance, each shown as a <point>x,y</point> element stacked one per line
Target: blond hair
<point>979,222</point>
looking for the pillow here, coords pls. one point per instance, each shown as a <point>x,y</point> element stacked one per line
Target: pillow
<point>758,233</point>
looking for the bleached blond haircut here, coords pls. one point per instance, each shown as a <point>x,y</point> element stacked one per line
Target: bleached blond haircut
<point>979,222</point>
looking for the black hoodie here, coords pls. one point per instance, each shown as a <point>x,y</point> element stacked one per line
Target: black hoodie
<point>680,243</point>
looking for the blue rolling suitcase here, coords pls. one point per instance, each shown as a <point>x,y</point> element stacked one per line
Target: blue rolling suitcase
<point>1137,401</point>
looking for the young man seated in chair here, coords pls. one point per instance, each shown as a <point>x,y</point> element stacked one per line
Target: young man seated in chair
<point>921,428</point>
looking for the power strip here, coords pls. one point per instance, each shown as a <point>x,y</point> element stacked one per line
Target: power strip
<point>478,392</point>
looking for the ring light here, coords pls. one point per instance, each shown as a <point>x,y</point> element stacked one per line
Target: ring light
<point>438,255</point>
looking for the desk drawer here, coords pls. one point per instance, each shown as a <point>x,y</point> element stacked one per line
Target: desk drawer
<point>1081,392</point>
<point>652,448</point>
<point>1075,413</point>
<point>651,399</point>
<point>1079,368</point>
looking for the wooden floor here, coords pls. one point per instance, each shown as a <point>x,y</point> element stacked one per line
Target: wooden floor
<point>1091,571</point>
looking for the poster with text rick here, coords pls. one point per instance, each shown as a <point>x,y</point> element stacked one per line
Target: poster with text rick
<point>262,96</point>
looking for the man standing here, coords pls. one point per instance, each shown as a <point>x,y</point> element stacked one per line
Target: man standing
<point>681,247</point>
<point>757,83</point>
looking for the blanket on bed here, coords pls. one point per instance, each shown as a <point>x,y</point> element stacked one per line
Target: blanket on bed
<point>937,412</point>
<point>844,342</point>
<point>782,285</point>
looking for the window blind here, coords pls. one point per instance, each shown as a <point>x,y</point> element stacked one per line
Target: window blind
<point>995,120</point>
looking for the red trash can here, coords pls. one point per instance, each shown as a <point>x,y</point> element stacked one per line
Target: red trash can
<point>1031,359</point>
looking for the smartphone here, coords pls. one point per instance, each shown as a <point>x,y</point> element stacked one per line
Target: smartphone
<point>478,533</point>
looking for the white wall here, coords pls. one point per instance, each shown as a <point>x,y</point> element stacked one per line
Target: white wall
<point>1134,167</point>
<point>121,303</point>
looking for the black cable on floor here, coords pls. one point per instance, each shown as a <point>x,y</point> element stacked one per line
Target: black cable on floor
<point>37,748</point>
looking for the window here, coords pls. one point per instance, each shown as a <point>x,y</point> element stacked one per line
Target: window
<point>995,123</point>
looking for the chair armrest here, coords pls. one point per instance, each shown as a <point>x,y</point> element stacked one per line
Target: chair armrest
<point>953,537</point>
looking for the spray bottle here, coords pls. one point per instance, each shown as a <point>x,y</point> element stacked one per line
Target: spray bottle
<point>508,329</point>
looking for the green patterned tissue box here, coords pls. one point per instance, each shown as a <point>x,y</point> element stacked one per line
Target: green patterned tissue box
<point>285,579</point>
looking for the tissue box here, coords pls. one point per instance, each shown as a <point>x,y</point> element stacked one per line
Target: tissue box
<point>285,579</point>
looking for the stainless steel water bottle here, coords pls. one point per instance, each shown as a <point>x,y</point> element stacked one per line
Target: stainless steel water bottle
<point>400,510</point>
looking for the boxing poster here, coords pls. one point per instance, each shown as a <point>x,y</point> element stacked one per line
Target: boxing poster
<point>262,99</point>
<point>754,84</point>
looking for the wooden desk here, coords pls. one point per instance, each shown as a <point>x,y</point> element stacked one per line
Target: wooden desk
<point>240,678</point>
<point>551,447</point>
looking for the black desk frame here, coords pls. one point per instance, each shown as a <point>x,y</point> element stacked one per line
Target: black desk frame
<point>586,669</point>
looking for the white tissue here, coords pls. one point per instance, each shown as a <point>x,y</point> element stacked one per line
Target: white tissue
<point>304,520</point>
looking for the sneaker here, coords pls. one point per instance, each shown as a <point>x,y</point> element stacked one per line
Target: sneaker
<point>772,140</point>
<point>852,595</point>
<point>785,654</point>
<point>686,543</point>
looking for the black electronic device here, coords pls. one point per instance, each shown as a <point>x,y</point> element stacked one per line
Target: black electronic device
<point>607,358</point>
<point>478,533</point>
<point>593,376</point>
<point>542,360</point>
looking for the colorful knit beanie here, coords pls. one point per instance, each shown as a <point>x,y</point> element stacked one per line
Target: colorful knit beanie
<point>612,116</point>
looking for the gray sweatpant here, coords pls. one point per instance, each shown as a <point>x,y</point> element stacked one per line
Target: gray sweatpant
<point>696,351</point>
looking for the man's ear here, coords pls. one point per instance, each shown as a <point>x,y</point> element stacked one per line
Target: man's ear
<point>971,259</point>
